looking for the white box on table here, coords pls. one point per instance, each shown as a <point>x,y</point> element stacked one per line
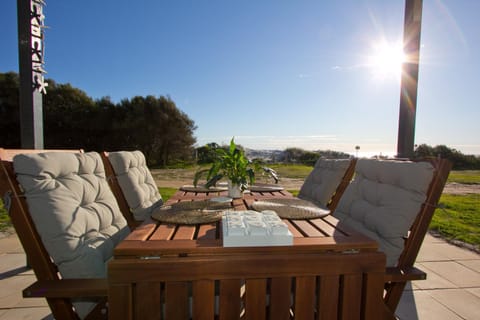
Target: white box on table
<point>251,229</point>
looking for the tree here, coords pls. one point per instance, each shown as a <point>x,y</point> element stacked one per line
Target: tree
<point>74,120</point>
<point>309,158</point>
<point>68,114</point>
<point>459,160</point>
<point>161,130</point>
<point>206,153</point>
<point>9,110</point>
<point>292,155</point>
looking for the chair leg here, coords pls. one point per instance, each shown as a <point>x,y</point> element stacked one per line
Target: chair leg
<point>393,294</point>
<point>388,314</point>
<point>100,312</point>
<point>62,309</point>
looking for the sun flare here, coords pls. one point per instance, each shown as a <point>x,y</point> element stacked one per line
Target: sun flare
<point>386,60</point>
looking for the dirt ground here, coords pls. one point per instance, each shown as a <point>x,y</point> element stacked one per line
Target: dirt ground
<point>175,178</point>
<point>459,188</point>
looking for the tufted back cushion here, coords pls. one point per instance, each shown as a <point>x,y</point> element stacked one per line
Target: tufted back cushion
<point>73,209</point>
<point>321,183</point>
<point>383,201</point>
<point>136,182</point>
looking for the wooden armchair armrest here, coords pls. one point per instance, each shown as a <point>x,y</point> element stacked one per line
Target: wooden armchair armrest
<point>67,288</point>
<point>394,274</point>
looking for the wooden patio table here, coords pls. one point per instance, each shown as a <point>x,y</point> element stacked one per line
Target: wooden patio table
<point>166,271</point>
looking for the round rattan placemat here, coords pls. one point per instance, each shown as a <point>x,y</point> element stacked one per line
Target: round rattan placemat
<point>291,208</point>
<point>191,212</point>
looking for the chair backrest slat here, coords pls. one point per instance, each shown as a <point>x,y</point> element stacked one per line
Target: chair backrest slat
<point>346,179</point>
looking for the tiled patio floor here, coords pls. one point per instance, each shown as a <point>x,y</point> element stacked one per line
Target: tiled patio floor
<point>451,292</point>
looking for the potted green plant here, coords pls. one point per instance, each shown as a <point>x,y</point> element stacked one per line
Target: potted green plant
<point>231,164</point>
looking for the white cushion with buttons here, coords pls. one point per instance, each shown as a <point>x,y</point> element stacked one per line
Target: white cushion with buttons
<point>383,201</point>
<point>74,211</point>
<point>136,182</point>
<point>321,183</point>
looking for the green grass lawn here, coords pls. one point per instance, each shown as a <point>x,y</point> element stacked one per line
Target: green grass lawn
<point>291,170</point>
<point>167,193</point>
<point>466,176</point>
<point>4,218</point>
<point>459,219</point>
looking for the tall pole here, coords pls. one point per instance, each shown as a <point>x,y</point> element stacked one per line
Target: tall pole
<point>409,82</point>
<point>31,61</point>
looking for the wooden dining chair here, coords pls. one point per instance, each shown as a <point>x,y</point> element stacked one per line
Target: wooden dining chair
<point>68,222</point>
<point>319,194</point>
<point>393,202</point>
<point>327,181</point>
<point>132,184</point>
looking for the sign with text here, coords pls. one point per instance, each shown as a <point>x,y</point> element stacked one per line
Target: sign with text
<point>37,19</point>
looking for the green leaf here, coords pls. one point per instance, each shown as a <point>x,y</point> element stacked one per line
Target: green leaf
<point>251,175</point>
<point>233,147</point>
<point>198,175</point>
<point>213,181</point>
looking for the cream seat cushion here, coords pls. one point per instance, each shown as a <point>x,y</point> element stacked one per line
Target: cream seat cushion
<point>321,183</point>
<point>136,182</point>
<point>74,211</point>
<point>383,201</point>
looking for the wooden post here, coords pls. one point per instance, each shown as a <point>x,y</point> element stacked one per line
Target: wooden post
<point>409,84</point>
<point>32,83</point>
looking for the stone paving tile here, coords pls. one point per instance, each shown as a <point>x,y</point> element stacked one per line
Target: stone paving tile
<point>432,239</point>
<point>444,252</point>
<point>10,244</point>
<point>27,272</point>
<point>433,281</point>
<point>472,264</point>
<point>420,305</point>
<point>42,313</point>
<point>474,291</point>
<point>11,262</point>
<point>32,302</point>
<point>11,293</point>
<point>455,272</point>
<point>459,301</point>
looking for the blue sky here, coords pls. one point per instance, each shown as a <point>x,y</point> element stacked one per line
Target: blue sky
<point>272,73</point>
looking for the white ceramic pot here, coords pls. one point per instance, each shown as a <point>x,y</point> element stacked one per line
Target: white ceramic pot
<point>234,190</point>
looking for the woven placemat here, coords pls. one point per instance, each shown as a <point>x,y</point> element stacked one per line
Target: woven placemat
<point>265,188</point>
<point>191,212</point>
<point>201,188</point>
<point>291,208</point>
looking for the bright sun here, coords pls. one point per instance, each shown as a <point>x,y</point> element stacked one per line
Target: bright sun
<point>386,60</point>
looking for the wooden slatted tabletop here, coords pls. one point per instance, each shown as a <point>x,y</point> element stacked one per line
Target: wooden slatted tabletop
<point>154,238</point>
